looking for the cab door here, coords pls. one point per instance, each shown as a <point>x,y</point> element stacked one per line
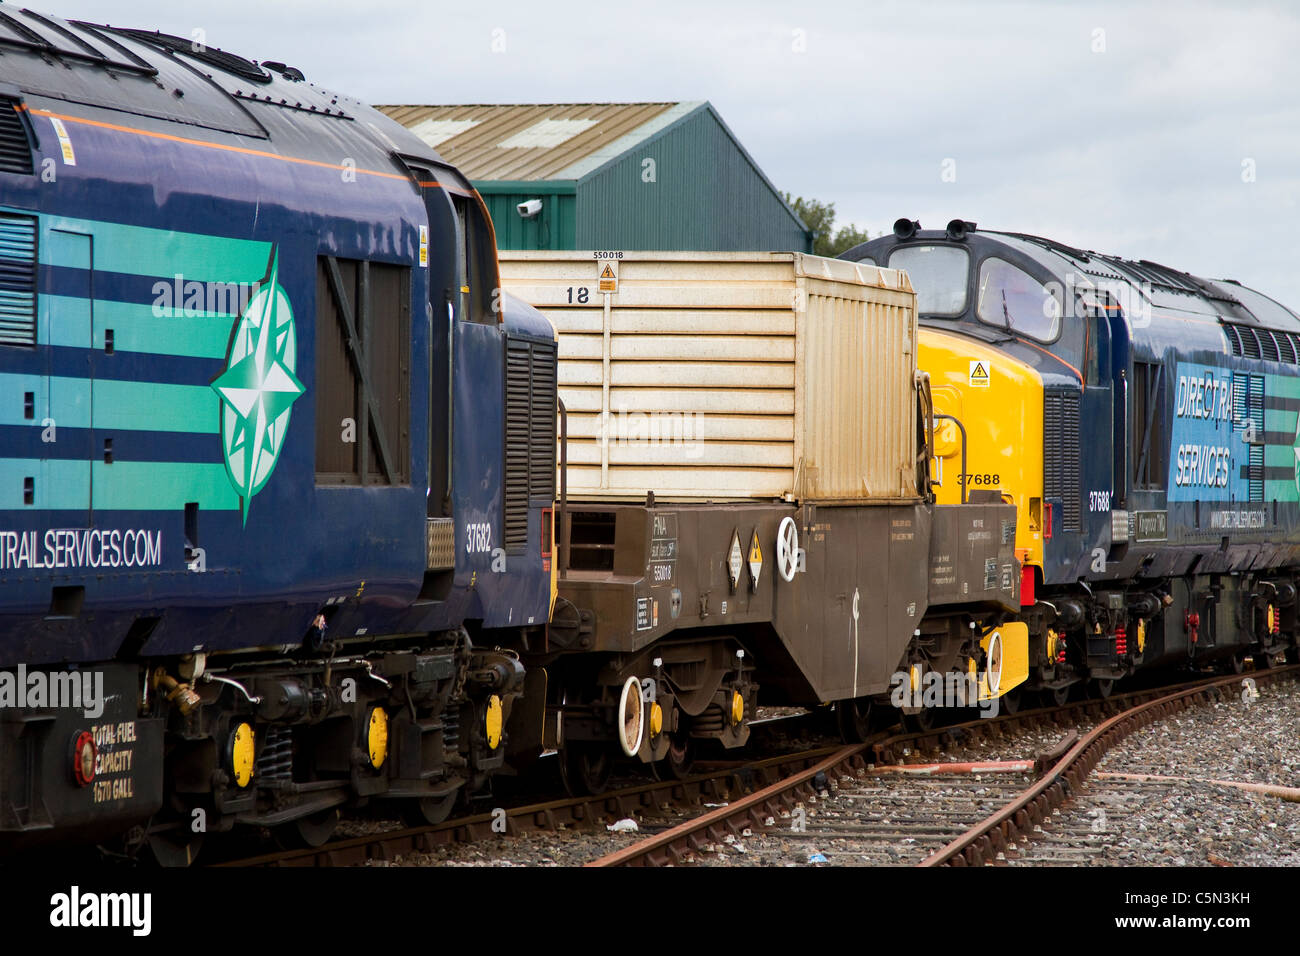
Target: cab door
<point>1097,416</point>
<point>1120,363</point>
<point>442,256</point>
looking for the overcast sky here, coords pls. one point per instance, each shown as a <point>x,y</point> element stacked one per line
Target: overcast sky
<point>1164,131</point>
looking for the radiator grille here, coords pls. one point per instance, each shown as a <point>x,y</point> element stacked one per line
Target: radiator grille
<point>17,280</point>
<point>1061,454</point>
<point>1248,410</point>
<point>1274,345</point>
<point>530,434</point>
<point>1267,345</point>
<point>15,148</point>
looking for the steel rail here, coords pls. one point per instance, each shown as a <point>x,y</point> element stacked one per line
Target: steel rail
<point>984,841</point>
<point>772,773</point>
<point>750,811</point>
<point>693,834</point>
<point>547,815</point>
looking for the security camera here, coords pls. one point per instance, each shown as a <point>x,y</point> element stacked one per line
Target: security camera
<point>530,209</point>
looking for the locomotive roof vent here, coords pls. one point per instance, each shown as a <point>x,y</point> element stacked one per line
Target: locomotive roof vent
<point>906,228</point>
<point>958,228</point>
<point>230,62</point>
<point>291,73</point>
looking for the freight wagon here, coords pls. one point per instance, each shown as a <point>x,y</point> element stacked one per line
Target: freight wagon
<point>745,509</point>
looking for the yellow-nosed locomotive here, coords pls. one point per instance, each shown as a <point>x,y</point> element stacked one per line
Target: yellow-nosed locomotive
<point>1144,422</point>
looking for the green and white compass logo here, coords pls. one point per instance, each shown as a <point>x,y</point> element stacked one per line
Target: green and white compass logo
<point>258,388</point>
<point>1295,447</point>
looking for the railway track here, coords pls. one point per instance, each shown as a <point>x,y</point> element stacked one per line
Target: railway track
<point>570,812</point>
<point>935,818</point>
<point>872,816</point>
<point>747,794</point>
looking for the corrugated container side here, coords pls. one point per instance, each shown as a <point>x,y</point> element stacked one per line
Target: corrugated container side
<point>729,375</point>
<point>857,386</point>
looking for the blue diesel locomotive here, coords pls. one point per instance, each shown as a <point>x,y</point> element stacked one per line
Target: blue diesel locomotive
<point>277,462</point>
<point>1145,422</point>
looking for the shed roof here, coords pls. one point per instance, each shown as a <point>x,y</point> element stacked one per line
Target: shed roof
<point>536,141</point>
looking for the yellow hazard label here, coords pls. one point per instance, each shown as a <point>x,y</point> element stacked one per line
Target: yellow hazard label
<point>608,281</point>
<point>755,557</point>
<point>979,374</point>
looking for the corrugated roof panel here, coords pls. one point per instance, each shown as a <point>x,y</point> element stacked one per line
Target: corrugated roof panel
<point>480,150</point>
<point>615,148</point>
<point>547,133</point>
<point>435,132</point>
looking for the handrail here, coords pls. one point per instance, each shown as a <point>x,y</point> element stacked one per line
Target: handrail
<point>962,428</point>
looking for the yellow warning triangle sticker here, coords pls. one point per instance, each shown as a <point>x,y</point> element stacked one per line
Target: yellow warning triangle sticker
<point>979,372</point>
<point>607,274</point>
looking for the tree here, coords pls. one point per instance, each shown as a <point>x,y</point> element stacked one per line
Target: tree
<point>819,217</point>
<point>848,237</point>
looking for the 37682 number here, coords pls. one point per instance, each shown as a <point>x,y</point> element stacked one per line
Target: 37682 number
<point>478,537</point>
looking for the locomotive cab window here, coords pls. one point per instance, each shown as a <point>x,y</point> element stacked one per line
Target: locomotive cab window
<point>1098,308</point>
<point>939,275</point>
<point>1150,444</point>
<point>1012,299</point>
<point>477,257</point>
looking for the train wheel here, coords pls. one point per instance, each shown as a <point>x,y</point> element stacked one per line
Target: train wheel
<point>1267,659</point>
<point>310,831</point>
<point>923,721</point>
<point>1101,688</point>
<point>1235,664</point>
<point>1056,696</point>
<point>174,847</point>
<point>680,758</point>
<point>1009,702</point>
<point>429,811</point>
<point>585,768</point>
<point>854,720</point>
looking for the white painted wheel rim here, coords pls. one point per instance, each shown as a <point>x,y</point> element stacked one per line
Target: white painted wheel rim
<point>631,717</point>
<point>787,548</point>
<point>995,662</point>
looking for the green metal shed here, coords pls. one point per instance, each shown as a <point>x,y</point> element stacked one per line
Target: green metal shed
<point>651,176</point>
